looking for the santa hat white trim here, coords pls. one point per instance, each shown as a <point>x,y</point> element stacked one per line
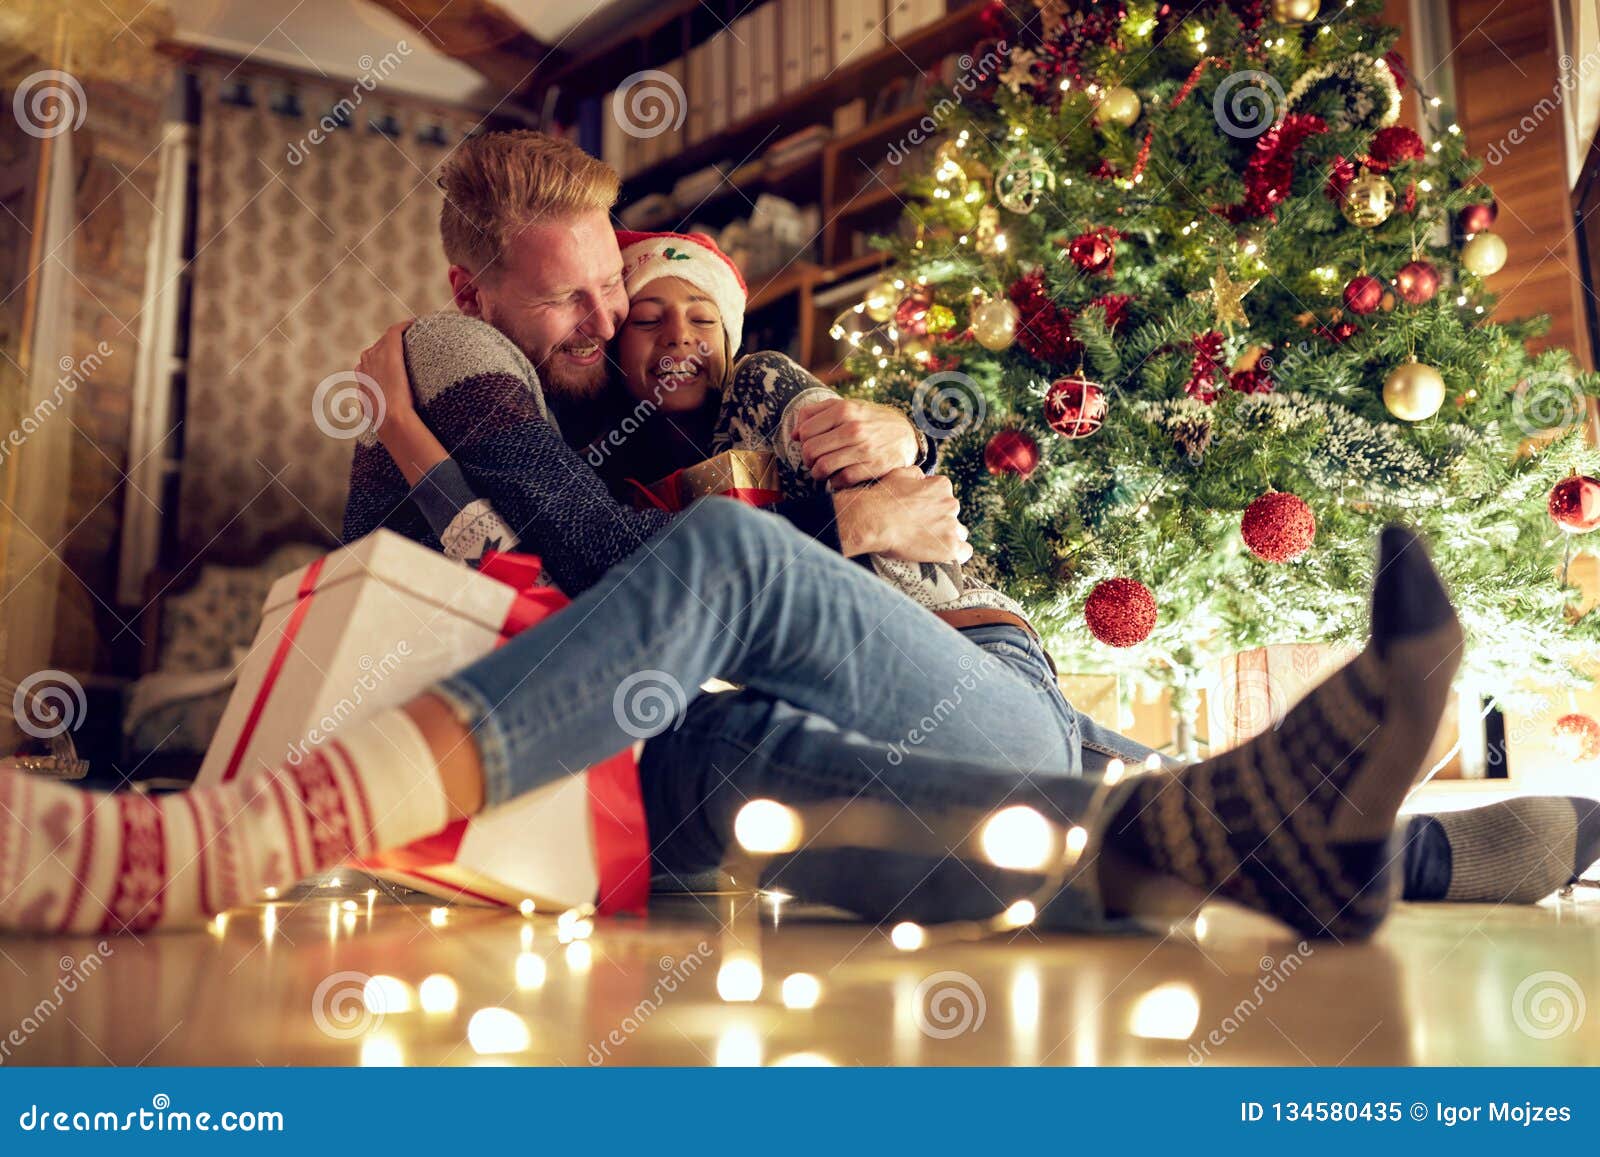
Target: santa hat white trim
<point>693,257</point>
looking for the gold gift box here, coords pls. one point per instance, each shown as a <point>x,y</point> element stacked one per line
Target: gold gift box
<point>751,475</point>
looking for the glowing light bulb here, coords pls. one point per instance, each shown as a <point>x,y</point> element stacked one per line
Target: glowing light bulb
<point>1018,838</point>
<point>349,905</point>
<point>1021,914</point>
<point>1077,840</point>
<point>270,893</point>
<point>738,1048</point>
<point>438,917</point>
<point>739,979</point>
<point>382,1051</point>
<point>438,994</point>
<point>496,1031</point>
<point>335,882</point>
<point>765,827</point>
<point>801,990</point>
<point>527,907</point>
<point>907,937</point>
<point>1152,762</point>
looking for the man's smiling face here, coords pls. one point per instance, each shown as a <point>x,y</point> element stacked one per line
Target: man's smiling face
<point>557,293</point>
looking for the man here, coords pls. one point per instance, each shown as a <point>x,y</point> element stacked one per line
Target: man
<point>526,228</point>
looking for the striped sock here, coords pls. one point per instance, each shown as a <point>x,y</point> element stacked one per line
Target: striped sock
<point>1297,823</point>
<point>1516,851</point>
<point>81,861</point>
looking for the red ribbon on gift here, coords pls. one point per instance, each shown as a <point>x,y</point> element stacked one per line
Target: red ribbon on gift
<point>291,628</point>
<point>750,495</point>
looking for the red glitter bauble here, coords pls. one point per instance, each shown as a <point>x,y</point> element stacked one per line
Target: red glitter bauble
<point>1417,282</point>
<point>1575,504</point>
<point>1278,527</point>
<point>911,315</point>
<point>1477,218</point>
<point>1578,735</point>
<point>1075,407</point>
<point>1392,145</point>
<point>1011,452</point>
<point>1363,294</point>
<point>1121,612</point>
<point>1091,252</point>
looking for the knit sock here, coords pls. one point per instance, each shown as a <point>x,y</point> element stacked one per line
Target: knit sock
<point>1297,823</point>
<point>81,861</point>
<point>1517,851</point>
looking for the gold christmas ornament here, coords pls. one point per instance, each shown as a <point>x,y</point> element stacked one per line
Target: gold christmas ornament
<point>1484,254</point>
<point>1120,105</point>
<point>1368,200</point>
<point>881,300</point>
<point>1295,11</point>
<point>1227,296</point>
<point>1022,180</point>
<point>941,318</point>
<point>1413,392</point>
<point>994,324</point>
<point>987,233</point>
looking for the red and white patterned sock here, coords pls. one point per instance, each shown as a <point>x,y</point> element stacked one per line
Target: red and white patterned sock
<point>81,861</point>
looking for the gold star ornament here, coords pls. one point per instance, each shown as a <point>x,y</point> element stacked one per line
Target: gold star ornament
<point>1227,298</point>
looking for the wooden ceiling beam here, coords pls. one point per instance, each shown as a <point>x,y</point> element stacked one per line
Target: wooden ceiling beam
<point>481,35</point>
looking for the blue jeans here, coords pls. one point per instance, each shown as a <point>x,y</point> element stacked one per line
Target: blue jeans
<point>849,691</point>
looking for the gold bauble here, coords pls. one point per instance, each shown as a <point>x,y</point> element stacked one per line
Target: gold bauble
<point>1368,200</point>
<point>994,324</point>
<point>881,300</point>
<point>1295,11</point>
<point>941,318</point>
<point>1120,105</point>
<point>1413,392</point>
<point>1484,254</point>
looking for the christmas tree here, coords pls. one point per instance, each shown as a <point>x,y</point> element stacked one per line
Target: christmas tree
<point>1197,314</point>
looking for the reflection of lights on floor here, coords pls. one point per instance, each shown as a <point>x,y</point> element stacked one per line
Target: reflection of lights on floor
<point>219,923</point>
<point>386,994</point>
<point>1166,1012</point>
<point>438,994</point>
<point>269,923</point>
<point>382,1051</point>
<point>580,957</point>
<point>527,937</point>
<point>739,979</point>
<point>801,990</point>
<point>349,905</point>
<point>270,893</point>
<point>496,1031</point>
<point>738,1048</point>
<point>531,971</point>
<point>803,1061</point>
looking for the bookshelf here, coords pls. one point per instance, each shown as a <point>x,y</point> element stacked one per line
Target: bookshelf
<point>886,48</point>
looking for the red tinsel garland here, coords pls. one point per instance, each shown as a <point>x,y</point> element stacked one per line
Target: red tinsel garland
<point>1043,328</point>
<point>1269,175</point>
<point>1205,368</point>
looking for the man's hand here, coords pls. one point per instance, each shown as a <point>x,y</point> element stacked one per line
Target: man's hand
<point>905,516</point>
<point>849,441</point>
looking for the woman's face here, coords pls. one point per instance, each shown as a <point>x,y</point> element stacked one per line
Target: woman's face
<point>671,348</point>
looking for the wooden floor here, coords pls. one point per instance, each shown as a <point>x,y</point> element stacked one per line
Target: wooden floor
<point>288,983</point>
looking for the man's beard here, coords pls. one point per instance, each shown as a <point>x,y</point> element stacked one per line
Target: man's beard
<point>572,384</point>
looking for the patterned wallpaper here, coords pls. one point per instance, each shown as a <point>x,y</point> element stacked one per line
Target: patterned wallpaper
<point>309,243</point>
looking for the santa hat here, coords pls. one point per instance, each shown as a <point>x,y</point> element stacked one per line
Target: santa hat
<point>693,257</point>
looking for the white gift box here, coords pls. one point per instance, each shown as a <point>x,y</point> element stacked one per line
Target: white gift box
<point>371,626</point>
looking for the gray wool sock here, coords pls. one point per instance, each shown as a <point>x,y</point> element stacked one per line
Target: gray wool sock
<point>1518,851</point>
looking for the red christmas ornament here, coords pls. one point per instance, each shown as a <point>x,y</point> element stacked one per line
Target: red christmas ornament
<point>1363,294</point>
<point>1340,331</point>
<point>1093,252</point>
<point>1011,452</point>
<point>1578,735</point>
<point>1251,382</point>
<point>1417,282</point>
<point>1392,146</point>
<point>1075,407</point>
<point>911,315</point>
<point>1477,218</point>
<point>1340,173</point>
<point>1121,612</point>
<point>1575,504</point>
<point>1278,527</point>
<point>1043,328</point>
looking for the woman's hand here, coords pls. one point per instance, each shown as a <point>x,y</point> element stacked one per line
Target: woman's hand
<point>381,374</point>
<point>905,516</point>
<point>849,441</point>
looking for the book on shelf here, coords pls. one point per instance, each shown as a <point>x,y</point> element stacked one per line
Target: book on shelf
<point>817,53</point>
<point>697,90</point>
<point>768,63</point>
<point>791,45</point>
<point>716,78</point>
<point>742,87</point>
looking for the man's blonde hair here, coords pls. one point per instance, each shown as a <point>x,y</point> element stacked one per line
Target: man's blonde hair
<point>497,184</point>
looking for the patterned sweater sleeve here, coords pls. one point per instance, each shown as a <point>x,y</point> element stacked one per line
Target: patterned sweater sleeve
<point>511,479</point>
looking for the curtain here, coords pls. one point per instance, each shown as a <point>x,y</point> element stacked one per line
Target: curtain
<point>309,242</point>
